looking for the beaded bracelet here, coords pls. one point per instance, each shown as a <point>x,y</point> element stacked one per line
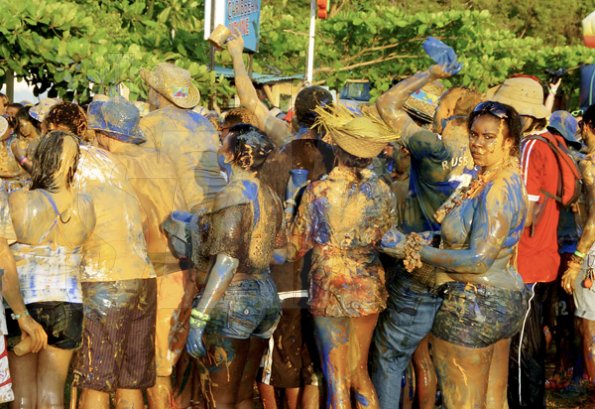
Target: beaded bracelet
<point>199,315</point>
<point>17,317</point>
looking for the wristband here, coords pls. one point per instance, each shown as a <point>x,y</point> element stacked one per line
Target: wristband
<point>579,254</point>
<point>200,316</point>
<point>17,317</point>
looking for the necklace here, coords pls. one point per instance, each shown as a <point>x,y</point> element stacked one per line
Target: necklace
<point>473,189</point>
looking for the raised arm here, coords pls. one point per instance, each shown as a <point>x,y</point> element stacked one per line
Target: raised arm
<point>390,104</point>
<point>277,129</point>
<point>489,229</point>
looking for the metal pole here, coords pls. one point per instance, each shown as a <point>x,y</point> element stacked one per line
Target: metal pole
<point>310,62</point>
<point>10,85</point>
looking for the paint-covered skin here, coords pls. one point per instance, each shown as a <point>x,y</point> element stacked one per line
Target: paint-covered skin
<point>342,219</point>
<point>480,236</point>
<point>154,180</point>
<point>9,167</point>
<point>244,223</point>
<point>117,249</point>
<point>191,143</point>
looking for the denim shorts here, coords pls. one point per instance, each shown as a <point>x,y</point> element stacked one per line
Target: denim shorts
<point>478,316</point>
<point>62,322</point>
<point>248,308</point>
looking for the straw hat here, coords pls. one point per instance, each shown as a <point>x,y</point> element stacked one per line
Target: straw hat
<point>40,111</point>
<point>423,103</point>
<point>523,94</point>
<point>118,118</point>
<point>363,135</point>
<point>174,83</point>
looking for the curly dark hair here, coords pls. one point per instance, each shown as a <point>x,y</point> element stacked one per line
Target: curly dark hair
<point>47,160</point>
<point>589,117</point>
<point>69,116</point>
<point>504,112</point>
<point>249,145</point>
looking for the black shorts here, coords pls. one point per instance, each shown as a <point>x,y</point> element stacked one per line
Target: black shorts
<point>62,322</point>
<point>478,316</point>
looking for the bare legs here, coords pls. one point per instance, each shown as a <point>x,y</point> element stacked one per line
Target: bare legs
<point>343,344</point>
<point>38,379</point>
<point>229,371</point>
<point>465,373</point>
<point>425,375</point>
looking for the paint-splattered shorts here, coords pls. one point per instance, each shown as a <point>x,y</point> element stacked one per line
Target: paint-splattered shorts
<point>62,322</point>
<point>248,308</point>
<point>118,349</point>
<point>477,316</point>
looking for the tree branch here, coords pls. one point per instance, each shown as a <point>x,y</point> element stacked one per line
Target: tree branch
<point>379,60</point>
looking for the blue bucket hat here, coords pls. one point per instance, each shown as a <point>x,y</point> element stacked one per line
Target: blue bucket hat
<point>566,125</point>
<point>118,118</point>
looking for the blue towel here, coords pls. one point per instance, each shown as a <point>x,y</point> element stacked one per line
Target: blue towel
<point>442,54</point>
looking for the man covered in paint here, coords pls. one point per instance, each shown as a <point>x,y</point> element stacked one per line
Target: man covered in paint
<point>155,183</point>
<point>186,137</point>
<point>236,312</point>
<point>117,279</point>
<point>412,303</point>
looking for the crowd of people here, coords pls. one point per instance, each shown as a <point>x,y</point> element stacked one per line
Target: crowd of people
<point>377,257</point>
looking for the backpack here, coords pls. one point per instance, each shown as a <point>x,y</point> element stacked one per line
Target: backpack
<point>569,182</point>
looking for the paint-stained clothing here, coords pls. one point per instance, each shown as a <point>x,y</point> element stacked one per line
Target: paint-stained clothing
<point>6,232</point>
<point>538,250</point>
<point>191,143</point>
<point>117,249</point>
<point>153,178</point>
<point>342,217</point>
<point>429,184</point>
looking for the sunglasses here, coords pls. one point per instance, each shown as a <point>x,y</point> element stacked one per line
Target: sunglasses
<point>492,108</point>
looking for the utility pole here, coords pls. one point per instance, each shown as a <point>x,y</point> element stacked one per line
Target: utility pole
<point>310,62</point>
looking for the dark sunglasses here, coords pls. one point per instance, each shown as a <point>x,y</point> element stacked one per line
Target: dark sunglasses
<point>492,108</point>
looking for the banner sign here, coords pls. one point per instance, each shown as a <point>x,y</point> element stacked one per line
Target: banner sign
<point>243,15</point>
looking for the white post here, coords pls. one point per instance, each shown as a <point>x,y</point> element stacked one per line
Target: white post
<point>310,62</point>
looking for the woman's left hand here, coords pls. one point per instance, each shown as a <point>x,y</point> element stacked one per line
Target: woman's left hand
<point>569,277</point>
<point>194,345</point>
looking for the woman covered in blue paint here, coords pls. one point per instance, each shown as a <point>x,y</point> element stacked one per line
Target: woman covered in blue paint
<point>484,297</point>
<point>342,218</point>
<point>238,308</point>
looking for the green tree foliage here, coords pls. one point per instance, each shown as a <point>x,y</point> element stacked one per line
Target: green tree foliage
<point>68,44</point>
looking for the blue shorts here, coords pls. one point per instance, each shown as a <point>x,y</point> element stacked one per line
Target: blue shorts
<point>478,316</point>
<point>248,308</point>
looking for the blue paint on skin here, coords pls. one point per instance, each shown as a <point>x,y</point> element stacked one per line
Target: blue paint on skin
<point>366,189</point>
<point>361,399</point>
<point>251,193</point>
<point>224,166</point>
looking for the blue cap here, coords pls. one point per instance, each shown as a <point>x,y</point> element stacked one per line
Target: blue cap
<point>118,118</point>
<point>566,125</point>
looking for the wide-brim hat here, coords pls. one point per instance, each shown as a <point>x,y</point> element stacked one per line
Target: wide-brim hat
<point>40,111</point>
<point>423,103</point>
<point>566,125</point>
<point>174,83</point>
<point>524,94</point>
<point>362,135</point>
<point>118,118</point>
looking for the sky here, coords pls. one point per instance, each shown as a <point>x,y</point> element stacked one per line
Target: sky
<point>22,92</point>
